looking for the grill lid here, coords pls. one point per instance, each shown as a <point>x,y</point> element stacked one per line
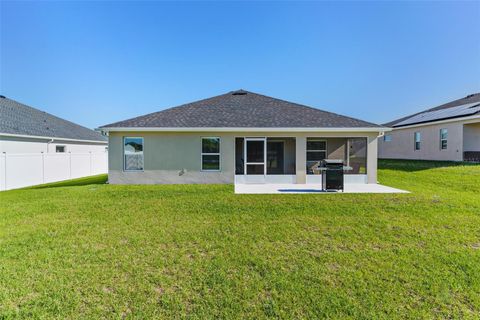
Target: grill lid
<point>333,161</point>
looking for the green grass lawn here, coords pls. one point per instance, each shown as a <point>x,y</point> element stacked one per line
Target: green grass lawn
<point>85,249</point>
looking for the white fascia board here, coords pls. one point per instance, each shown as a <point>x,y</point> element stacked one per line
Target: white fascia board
<point>50,138</point>
<point>243,129</point>
<point>470,119</point>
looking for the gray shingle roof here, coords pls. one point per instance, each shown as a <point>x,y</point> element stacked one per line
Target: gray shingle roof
<point>17,118</point>
<point>243,109</point>
<point>470,99</point>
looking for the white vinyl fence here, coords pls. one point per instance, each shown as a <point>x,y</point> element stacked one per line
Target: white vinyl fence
<point>19,170</point>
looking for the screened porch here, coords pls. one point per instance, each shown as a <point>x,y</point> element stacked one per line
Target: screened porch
<point>281,159</point>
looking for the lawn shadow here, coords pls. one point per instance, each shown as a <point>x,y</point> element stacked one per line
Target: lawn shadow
<point>419,165</point>
<point>92,180</point>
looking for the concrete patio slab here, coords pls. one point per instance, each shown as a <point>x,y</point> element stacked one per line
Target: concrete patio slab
<point>311,188</point>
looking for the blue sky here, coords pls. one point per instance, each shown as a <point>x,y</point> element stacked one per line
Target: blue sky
<point>98,62</point>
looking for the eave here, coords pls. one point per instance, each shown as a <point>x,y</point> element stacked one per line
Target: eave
<point>242,129</point>
<point>51,138</point>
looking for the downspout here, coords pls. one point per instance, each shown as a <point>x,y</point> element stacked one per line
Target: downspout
<point>48,143</point>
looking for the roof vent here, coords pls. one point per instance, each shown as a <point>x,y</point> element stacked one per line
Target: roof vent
<point>239,93</point>
<point>2,97</point>
<point>471,95</point>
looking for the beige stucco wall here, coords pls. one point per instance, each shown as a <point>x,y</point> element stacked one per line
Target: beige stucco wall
<point>402,144</point>
<point>167,153</point>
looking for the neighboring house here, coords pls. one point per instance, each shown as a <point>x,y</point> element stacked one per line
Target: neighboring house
<point>447,132</point>
<point>24,129</point>
<point>240,137</point>
<point>37,147</point>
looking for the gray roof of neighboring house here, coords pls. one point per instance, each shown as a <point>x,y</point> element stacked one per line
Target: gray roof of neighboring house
<point>243,109</point>
<point>19,119</point>
<point>454,109</point>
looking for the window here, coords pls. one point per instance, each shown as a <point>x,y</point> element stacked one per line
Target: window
<point>60,149</point>
<point>387,138</point>
<point>133,153</point>
<point>443,139</point>
<point>316,152</point>
<point>211,154</point>
<point>417,138</point>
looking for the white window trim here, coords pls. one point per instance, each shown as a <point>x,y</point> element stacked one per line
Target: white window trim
<point>415,141</point>
<point>211,154</point>
<point>123,153</point>
<point>319,150</point>
<point>61,145</point>
<point>441,140</point>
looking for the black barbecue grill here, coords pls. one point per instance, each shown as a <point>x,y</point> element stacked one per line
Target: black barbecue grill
<point>332,175</point>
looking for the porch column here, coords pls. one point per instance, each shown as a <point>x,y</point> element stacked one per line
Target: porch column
<point>301,158</point>
<point>372,155</point>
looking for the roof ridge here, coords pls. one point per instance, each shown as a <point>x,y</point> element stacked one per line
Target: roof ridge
<point>248,109</point>
<point>313,108</point>
<point>47,122</point>
<point>452,104</point>
<point>51,115</point>
<point>166,109</point>
<point>444,104</point>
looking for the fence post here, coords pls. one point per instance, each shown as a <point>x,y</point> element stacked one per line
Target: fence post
<point>43,167</point>
<point>5,168</point>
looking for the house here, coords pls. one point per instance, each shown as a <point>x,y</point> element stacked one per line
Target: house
<point>450,132</point>
<point>37,147</point>
<point>24,129</point>
<point>240,137</point>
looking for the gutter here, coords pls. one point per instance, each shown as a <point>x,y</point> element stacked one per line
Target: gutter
<point>242,129</point>
<point>50,138</point>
